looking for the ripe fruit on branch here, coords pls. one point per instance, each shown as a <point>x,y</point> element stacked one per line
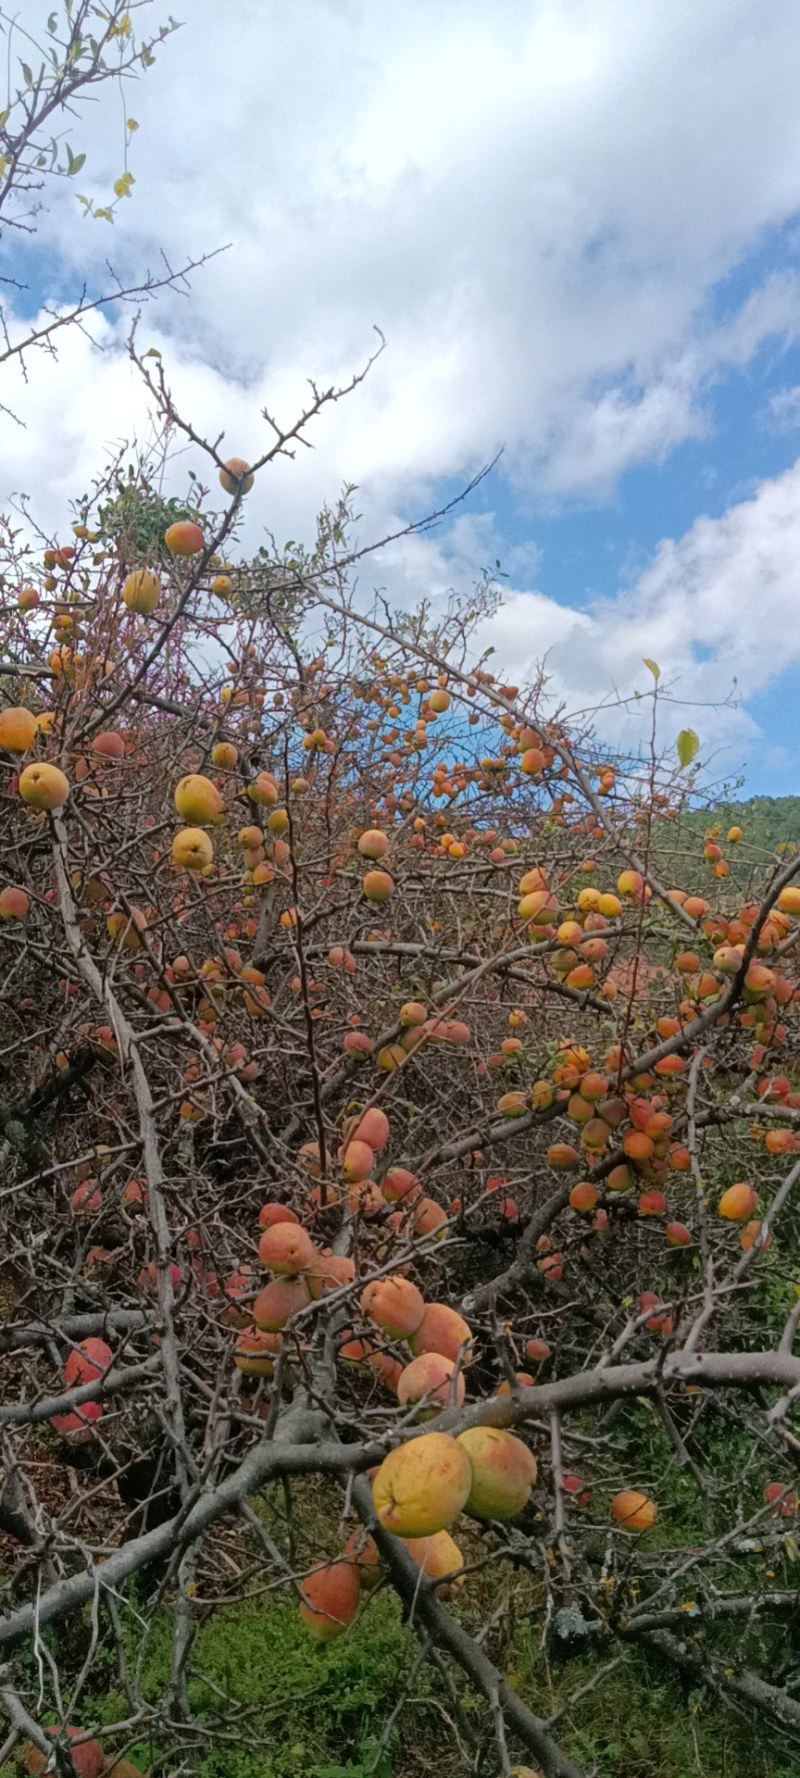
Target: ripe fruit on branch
<point>279,1301</point>
<point>87,1755</point>
<point>263,791</point>
<point>377,885</point>
<point>357,1161</point>
<point>236,474</point>
<point>286,1249</point>
<point>184,538</point>
<point>738,1202</point>
<point>399,1186</point>
<point>141,591</point>
<point>372,1128</point>
<point>443,1330</point>
<point>77,1427</point>
<point>422,1486</point>
<point>437,1556</point>
<point>224,755</point>
<point>43,786</point>
<point>373,843</point>
<point>255,1351</point>
<point>198,800</point>
<point>18,729</point>
<point>192,849</point>
<point>634,1511</point>
<point>14,903</point>
<point>503,1472</point>
<point>433,1377</point>
<point>395,1305</point>
<point>87,1361</point>
<point>329,1600</point>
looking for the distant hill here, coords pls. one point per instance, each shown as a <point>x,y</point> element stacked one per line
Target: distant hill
<point>770,827</point>
<point>765,821</point>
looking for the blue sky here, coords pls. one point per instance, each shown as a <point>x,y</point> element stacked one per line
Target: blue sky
<point>578,224</point>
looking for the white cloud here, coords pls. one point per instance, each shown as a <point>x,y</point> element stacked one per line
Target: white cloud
<point>782,412</point>
<point>535,204</point>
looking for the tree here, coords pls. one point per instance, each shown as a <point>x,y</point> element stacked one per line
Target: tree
<point>84,48</point>
<point>372,1108</point>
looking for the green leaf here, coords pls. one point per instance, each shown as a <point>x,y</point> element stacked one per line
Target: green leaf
<point>651,665</point>
<point>26,74</point>
<point>687,745</point>
<point>74,162</point>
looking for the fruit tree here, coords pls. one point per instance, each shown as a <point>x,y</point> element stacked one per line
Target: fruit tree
<point>394,1116</point>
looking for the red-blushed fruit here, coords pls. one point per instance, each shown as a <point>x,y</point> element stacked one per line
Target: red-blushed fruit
<point>263,791</point>
<point>271,1213</point>
<point>255,1351</point>
<point>357,1161</point>
<point>329,1271</point>
<point>633,1511</point>
<point>437,1556</point>
<point>373,843</point>
<point>513,1104</point>
<point>428,1218</point>
<point>141,591</point>
<point>738,1202</point>
<point>652,1203</point>
<point>400,1186</point>
<point>77,1427</point>
<point>781,1497</point>
<point>394,1304</point>
<point>678,1235</point>
<point>372,1128</point>
<point>562,1157</point>
<point>503,1472</point>
<point>443,1330</point>
<point>422,1486</point>
<point>184,538</point>
<point>43,786</point>
<point>750,1234</point>
<point>18,728</point>
<point>109,744</point>
<point>537,1350</point>
<point>86,1198</point>
<point>583,1197</point>
<point>433,1377</point>
<point>279,1301</point>
<point>377,885</point>
<point>522,1380</point>
<point>236,474</point>
<point>90,1359</point>
<point>286,1249</point>
<point>329,1599</point>
<point>14,903</point>
<point>412,1014</point>
<point>363,1550</point>
<point>86,1754</point>
<point>576,1487</point>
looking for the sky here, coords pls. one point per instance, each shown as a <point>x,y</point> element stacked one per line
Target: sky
<point>577,224</point>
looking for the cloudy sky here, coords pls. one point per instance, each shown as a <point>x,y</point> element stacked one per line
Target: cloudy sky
<point>577,223</point>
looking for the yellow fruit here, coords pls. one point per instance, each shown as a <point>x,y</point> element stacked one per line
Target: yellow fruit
<point>422,1486</point>
<point>198,800</point>
<point>18,729</point>
<point>43,786</point>
<point>192,849</point>
<point>141,591</point>
<point>503,1472</point>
